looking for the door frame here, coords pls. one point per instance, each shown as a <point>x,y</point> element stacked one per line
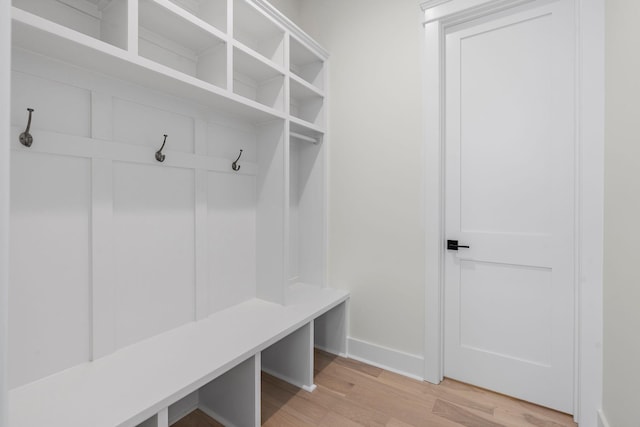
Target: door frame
<point>589,203</point>
<point>5,110</point>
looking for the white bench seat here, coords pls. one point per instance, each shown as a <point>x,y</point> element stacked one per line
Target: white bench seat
<point>129,386</point>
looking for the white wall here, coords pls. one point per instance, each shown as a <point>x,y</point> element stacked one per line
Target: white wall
<point>5,68</point>
<point>376,234</point>
<point>622,210</point>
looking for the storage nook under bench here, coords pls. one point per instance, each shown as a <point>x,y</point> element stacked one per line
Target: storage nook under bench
<point>169,217</point>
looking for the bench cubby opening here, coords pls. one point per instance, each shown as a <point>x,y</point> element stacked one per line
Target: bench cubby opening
<point>330,330</point>
<point>291,358</point>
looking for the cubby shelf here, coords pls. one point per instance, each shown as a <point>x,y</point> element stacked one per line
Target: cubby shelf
<point>213,12</point>
<point>306,64</point>
<point>42,36</point>
<point>170,36</point>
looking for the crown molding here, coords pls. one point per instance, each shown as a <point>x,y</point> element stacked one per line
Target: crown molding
<point>296,31</point>
<point>429,4</point>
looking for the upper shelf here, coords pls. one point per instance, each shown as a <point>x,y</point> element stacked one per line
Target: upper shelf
<point>213,12</point>
<point>40,35</point>
<point>306,64</point>
<point>254,29</point>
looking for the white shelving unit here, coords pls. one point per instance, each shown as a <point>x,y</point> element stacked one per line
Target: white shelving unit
<point>142,290</point>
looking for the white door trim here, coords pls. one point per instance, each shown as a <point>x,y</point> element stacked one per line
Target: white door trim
<point>589,14</point>
<point>5,108</point>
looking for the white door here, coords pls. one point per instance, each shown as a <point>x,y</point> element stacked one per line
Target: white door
<point>509,196</point>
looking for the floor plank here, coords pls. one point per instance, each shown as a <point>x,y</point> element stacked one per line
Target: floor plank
<point>354,394</point>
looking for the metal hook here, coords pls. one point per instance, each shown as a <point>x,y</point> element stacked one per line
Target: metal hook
<point>159,156</point>
<point>25,137</point>
<point>235,166</point>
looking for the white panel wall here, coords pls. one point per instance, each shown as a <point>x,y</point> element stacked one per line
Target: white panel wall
<point>154,250</point>
<point>111,247</point>
<point>376,165</point>
<point>231,239</point>
<point>140,124</point>
<point>49,315</point>
<point>622,210</point>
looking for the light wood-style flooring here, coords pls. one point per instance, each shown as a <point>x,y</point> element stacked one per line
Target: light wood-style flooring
<point>353,394</point>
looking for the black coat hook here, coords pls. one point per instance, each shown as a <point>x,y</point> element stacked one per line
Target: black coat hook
<point>235,166</point>
<point>159,156</point>
<point>25,137</point>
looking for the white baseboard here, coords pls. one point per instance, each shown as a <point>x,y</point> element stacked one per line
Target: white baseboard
<point>602,420</point>
<point>406,364</point>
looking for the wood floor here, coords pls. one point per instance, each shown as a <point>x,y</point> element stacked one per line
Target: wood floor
<point>353,394</point>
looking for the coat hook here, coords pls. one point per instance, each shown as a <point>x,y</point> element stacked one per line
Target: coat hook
<point>235,166</point>
<point>25,137</point>
<point>159,156</point>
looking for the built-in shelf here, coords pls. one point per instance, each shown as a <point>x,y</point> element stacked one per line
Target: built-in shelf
<point>301,127</point>
<point>171,37</point>
<point>305,103</point>
<point>214,12</point>
<point>256,80</point>
<point>105,21</point>
<point>254,29</point>
<point>306,64</point>
<point>48,38</point>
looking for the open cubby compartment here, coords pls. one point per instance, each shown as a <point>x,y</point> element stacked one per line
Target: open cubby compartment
<point>233,399</point>
<point>304,63</point>
<point>330,330</point>
<point>306,103</point>
<point>183,44</point>
<point>306,211</point>
<point>256,80</point>
<point>213,12</point>
<point>291,358</point>
<point>255,30</point>
<point>103,20</point>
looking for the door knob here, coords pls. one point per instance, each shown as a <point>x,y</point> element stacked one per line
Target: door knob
<point>453,245</point>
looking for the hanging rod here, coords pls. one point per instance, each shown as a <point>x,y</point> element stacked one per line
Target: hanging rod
<point>304,137</point>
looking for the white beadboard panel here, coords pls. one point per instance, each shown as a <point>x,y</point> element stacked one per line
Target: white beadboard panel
<point>46,97</point>
<point>226,141</point>
<point>231,239</point>
<point>140,124</point>
<point>154,225</point>
<point>50,277</point>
